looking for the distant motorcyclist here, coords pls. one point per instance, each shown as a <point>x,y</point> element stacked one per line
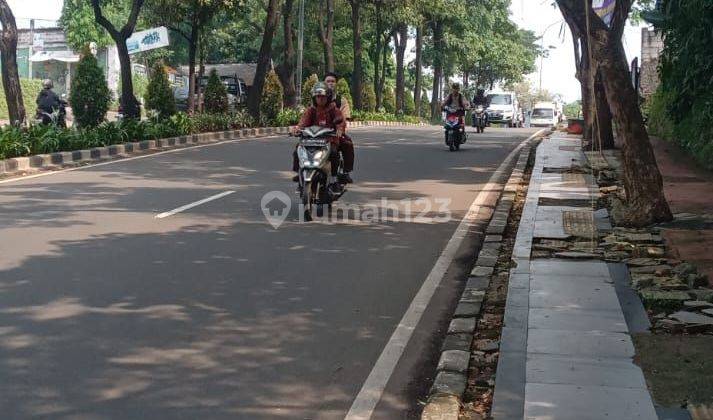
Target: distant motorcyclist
<point>324,113</point>
<point>346,145</point>
<point>456,99</point>
<point>48,102</point>
<point>482,100</point>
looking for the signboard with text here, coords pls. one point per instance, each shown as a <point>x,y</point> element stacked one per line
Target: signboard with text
<point>148,40</point>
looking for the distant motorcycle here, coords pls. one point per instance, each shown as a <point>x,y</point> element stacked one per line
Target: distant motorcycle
<point>479,118</point>
<point>454,130</point>
<point>57,118</point>
<point>315,169</point>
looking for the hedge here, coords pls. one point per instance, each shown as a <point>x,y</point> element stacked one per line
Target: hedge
<point>30,89</point>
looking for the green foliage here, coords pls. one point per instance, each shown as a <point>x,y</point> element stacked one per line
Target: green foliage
<point>287,117</point>
<point>271,103</point>
<point>79,24</point>
<point>409,105</point>
<point>389,100</point>
<point>307,89</point>
<point>90,95</point>
<point>573,109</point>
<point>30,89</point>
<point>425,109</point>
<point>686,91</point>
<point>344,90</point>
<point>382,116</point>
<point>159,96</point>
<point>368,97</point>
<point>215,97</point>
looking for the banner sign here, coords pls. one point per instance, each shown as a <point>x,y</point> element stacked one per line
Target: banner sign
<point>604,9</point>
<point>148,40</point>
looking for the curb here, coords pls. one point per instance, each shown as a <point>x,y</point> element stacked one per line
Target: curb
<point>14,166</point>
<point>452,371</point>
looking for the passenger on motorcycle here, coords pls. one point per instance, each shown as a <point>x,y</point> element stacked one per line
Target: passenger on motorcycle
<point>346,146</point>
<point>456,99</point>
<point>323,113</point>
<point>47,102</point>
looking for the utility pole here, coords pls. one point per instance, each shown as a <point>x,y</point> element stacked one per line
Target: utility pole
<point>300,51</point>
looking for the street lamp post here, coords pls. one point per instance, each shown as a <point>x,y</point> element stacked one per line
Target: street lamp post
<point>542,47</point>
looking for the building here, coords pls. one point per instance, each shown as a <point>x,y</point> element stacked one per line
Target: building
<point>651,47</point>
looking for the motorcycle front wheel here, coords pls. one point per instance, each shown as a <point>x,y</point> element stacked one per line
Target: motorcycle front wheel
<point>450,141</point>
<point>307,201</point>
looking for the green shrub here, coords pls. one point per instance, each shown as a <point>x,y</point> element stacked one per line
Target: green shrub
<point>409,105</point>
<point>90,95</point>
<point>660,122</point>
<point>368,97</point>
<point>381,116</point>
<point>307,89</point>
<point>30,90</point>
<point>389,100</point>
<point>425,106</point>
<point>215,97</point>
<point>343,89</point>
<point>271,103</point>
<point>287,117</point>
<point>159,95</point>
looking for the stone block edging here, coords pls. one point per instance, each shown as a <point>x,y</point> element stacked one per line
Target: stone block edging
<point>58,159</point>
<point>452,371</point>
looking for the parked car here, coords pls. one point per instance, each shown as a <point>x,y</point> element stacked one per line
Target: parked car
<point>504,108</point>
<point>544,114</point>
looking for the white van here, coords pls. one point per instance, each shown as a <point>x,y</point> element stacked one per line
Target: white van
<point>504,109</point>
<point>544,114</point>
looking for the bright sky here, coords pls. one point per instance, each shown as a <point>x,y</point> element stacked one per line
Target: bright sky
<point>535,15</point>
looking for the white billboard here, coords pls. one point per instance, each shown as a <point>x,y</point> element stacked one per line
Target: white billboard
<point>148,40</point>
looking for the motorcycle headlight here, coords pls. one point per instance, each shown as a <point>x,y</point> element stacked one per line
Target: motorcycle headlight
<point>318,156</point>
<point>303,155</point>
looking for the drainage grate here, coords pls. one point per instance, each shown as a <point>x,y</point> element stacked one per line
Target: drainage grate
<point>579,223</point>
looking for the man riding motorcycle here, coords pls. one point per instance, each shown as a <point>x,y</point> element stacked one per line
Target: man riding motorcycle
<point>455,98</point>
<point>48,103</point>
<point>346,146</point>
<point>324,113</point>
<point>482,100</point>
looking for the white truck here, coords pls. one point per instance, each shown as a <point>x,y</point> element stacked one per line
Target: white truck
<point>544,114</point>
<point>504,108</point>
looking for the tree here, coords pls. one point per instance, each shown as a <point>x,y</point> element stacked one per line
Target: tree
<point>128,100</point>
<point>418,63</point>
<point>216,97</point>
<point>10,75</point>
<point>343,90</point>
<point>307,89</point>
<point>356,45</point>
<point>286,69</point>
<point>400,41</point>
<point>642,179</point>
<point>159,95</point>
<point>263,60</point>
<point>368,98</point>
<point>80,26</point>
<point>90,95</point>
<point>389,102</point>
<point>271,103</point>
<point>326,32</point>
<point>409,105</point>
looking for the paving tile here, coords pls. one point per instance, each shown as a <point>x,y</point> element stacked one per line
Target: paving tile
<point>519,281</point>
<point>566,402</point>
<point>579,343</point>
<point>576,320</point>
<point>555,369</point>
<point>509,395</point>
<point>555,266</point>
<point>515,317</point>
<point>513,339</point>
<point>518,298</point>
<point>565,292</point>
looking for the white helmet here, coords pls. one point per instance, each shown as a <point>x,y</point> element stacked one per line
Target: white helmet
<point>47,84</point>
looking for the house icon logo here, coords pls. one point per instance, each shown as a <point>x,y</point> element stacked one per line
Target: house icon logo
<point>275,206</point>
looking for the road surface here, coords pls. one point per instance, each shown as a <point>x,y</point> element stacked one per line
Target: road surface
<point>207,311</point>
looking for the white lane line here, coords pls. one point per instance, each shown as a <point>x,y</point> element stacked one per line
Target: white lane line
<point>194,204</point>
<point>370,394</point>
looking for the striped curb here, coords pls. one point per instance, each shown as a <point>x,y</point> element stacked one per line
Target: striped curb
<point>452,371</point>
<point>56,160</point>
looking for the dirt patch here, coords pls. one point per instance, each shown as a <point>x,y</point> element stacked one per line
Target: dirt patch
<point>678,368</point>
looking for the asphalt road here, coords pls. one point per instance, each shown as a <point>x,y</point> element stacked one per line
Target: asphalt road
<point>108,312</point>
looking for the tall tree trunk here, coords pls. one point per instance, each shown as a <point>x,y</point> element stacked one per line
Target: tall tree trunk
<point>201,68</point>
<point>642,179</point>
<point>357,70</point>
<point>418,77</point>
<point>287,69</point>
<point>10,75</point>
<point>326,33</point>
<point>377,53</point>
<point>382,77</point>
<point>400,39</point>
<point>129,103</point>
<point>603,121</point>
<point>192,50</point>
<point>437,68</point>
<point>263,60</point>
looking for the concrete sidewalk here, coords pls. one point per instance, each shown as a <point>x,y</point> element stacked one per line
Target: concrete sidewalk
<point>566,350</point>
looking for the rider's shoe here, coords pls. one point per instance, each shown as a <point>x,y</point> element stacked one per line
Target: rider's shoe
<point>345,178</point>
<point>296,178</point>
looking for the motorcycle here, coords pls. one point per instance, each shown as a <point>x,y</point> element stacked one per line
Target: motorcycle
<point>454,130</point>
<point>58,117</point>
<point>315,169</point>
<point>479,118</point>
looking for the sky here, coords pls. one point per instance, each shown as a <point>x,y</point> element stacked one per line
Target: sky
<point>536,15</point>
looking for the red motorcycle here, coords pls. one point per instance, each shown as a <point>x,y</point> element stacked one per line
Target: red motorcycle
<point>454,127</point>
